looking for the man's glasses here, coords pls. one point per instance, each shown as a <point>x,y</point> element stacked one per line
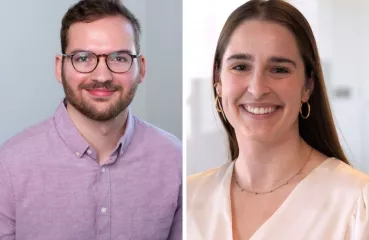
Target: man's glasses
<point>86,62</point>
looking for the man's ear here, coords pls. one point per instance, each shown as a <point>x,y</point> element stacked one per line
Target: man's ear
<point>142,68</point>
<point>58,67</point>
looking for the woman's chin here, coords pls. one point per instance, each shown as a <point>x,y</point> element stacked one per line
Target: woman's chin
<point>260,134</point>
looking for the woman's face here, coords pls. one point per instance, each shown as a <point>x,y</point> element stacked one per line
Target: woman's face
<point>263,81</point>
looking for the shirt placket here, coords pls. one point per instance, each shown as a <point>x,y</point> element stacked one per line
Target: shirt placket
<point>103,220</point>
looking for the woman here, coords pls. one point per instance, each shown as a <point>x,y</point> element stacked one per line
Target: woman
<point>289,177</point>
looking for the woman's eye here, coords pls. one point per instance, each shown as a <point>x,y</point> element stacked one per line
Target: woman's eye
<point>240,67</point>
<point>279,70</point>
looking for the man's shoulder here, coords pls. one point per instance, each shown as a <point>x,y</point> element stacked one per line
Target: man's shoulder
<point>162,147</point>
<point>26,141</point>
<point>156,135</point>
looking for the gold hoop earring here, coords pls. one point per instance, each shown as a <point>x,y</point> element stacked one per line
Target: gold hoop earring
<point>217,104</point>
<point>308,113</point>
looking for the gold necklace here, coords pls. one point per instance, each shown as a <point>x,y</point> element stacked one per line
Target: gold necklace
<point>270,191</point>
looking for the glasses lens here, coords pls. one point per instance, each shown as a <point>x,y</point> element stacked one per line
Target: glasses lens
<point>119,62</point>
<point>84,61</point>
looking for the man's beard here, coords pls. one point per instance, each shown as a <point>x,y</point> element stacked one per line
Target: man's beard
<point>88,109</point>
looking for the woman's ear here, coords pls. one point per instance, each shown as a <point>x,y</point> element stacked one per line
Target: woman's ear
<point>218,82</point>
<point>218,88</point>
<point>308,89</point>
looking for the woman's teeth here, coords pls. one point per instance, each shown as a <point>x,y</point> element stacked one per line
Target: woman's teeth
<point>258,111</point>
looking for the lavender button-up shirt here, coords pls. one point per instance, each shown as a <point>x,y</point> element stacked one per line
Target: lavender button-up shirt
<point>53,188</point>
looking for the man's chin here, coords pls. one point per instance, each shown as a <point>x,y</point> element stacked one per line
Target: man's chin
<point>101,116</point>
<point>98,111</point>
<point>100,100</point>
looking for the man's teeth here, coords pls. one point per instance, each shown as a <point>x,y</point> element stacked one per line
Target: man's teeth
<point>259,111</point>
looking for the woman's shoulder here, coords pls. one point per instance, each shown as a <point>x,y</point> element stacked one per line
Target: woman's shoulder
<point>194,178</point>
<point>346,173</point>
<point>202,181</point>
<point>204,176</point>
<point>352,185</point>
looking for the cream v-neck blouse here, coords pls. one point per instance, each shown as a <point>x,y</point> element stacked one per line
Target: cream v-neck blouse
<point>331,203</point>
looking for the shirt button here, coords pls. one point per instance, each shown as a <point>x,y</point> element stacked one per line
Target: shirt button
<point>103,210</point>
<point>103,169</point>
<point>78,154</point>
<point>89,152</point>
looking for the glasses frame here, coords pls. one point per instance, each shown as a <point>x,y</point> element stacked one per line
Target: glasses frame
<point>98,56</point>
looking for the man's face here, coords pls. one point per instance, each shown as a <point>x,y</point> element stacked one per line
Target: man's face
<point>100,95</point>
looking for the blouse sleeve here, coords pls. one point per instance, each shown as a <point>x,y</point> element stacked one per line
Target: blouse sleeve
<point>359,229</point>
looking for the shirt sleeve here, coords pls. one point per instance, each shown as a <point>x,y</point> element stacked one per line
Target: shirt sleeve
<point>359,226</point>
<point>176,229</point>
<point>7,206</point>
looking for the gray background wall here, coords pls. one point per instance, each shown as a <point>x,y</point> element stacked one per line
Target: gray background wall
<point>30,39</point>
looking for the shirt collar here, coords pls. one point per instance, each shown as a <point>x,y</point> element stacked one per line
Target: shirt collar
<point>128,133</point>
<point>76,142</point>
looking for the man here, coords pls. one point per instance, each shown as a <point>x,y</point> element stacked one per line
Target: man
<point>93,171</point>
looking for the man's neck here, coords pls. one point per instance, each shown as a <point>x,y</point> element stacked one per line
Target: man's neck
<point>102,136</point>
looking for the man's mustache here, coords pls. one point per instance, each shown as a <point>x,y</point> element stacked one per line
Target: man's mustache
<point>97,84</point>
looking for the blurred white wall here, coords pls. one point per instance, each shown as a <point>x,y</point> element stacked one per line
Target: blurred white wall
<point>30,40</point>
<point>342,34</point>
<point>205,141</point>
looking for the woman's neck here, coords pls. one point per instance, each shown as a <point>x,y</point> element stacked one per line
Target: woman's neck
<point>262,166</point>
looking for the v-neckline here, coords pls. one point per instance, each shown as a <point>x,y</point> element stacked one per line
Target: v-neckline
<point>281,208</point>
